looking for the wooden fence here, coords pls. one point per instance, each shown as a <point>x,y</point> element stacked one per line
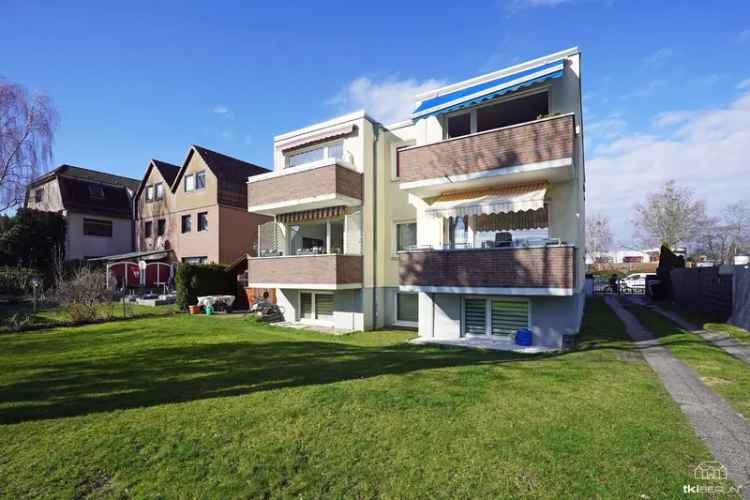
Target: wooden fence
<point>705,290</point>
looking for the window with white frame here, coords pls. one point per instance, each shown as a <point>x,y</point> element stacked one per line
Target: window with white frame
<point>316,306</point>
<point>189,183</point>
<point>407,308</point>
<point>150,193</point>
<point>495,315</point>
<point>406,235</point>
<point>159,191</point>
<point>334,150</point>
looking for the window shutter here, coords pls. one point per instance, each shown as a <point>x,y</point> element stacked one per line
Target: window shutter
<point>475,316</point>
<point>509,315</point>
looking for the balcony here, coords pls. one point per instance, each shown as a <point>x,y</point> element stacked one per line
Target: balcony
<point>324,184</point>
<point>324,271</point>
<point>542,270</point>
<point>541,150</point>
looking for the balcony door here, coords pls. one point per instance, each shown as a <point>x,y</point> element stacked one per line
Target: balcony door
<point>494,316</point>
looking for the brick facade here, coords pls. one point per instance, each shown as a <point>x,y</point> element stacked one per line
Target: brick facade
<point>551,267</point>
<point>330,179</point>
<point>543,140</point>
<point>308,269</point>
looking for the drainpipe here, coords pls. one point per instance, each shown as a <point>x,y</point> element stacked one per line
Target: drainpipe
<point>376,132</point>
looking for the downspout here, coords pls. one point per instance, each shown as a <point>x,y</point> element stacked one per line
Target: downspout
<point>375,132</point>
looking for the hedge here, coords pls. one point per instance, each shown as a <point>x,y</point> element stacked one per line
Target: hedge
<point>194,280</point>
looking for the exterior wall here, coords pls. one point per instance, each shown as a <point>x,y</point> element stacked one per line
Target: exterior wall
<point>543,140</point>
<point>79,246</point>
<point>440,317</point>
<point>550,267</point>
<point>51,200</point>
<point>152,211</point>
<point>306,183</point>
<point>306,269</point>
<point>238,233</point>
<point>347,314</point>
<point>198,243</point>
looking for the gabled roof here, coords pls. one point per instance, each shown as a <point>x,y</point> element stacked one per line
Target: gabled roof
<point>167,170</point>
<point>87,174</point>
<point>230,173</point>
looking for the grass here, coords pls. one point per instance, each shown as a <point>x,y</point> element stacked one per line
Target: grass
<point>190,406</point>
<point>725,374</point>
<point>45,314</point>
<point>701,321</point>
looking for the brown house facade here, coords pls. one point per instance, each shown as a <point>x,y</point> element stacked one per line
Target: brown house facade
<point>197,212</point>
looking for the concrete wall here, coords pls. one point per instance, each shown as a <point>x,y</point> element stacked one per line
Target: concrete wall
<point>347,314</point>
<point>79,246</point>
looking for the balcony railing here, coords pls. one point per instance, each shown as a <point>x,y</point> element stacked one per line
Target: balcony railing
<point>305,188</point>
<point>328,271</point>
<point>538,141</point>
<point>539,270</point>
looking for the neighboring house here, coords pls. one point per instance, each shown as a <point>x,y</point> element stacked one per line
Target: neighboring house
<point>467,220</point>
<point>197,212</point>
<point>625,257</point>
<point>97,207</point>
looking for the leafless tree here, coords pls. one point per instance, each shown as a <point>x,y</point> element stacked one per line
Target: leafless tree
<point>671,216</point>
<point>598,235</point>
<point>27,131</point>
<point>724,237</point>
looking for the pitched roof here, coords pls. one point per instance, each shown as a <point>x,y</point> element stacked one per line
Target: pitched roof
<point>230,173</point>
<point>84,196</point>
<point>87,174</point>
<point>167,170</point>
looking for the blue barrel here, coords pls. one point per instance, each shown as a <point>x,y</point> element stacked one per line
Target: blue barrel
<point>524,337</point>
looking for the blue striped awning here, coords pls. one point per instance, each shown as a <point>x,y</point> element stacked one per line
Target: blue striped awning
<point>487,90</point>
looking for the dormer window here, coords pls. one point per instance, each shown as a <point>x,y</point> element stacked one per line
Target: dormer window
<point>96,191</point>
<point>333,150</point>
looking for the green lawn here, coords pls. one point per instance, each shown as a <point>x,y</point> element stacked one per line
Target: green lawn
<point>198,407</point>
<point>702,321</point>
<point>727,375</point>
<point>24,312</point>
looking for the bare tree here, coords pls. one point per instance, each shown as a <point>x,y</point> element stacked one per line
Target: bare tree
<point>27,131</point>
<point>598,235</point>
<point>724,237</point>
<point>671,216</point>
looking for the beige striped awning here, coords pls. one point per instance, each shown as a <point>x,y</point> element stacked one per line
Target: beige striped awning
<point>331,133</point>
<point>310,215</point>
<point>519,198</point>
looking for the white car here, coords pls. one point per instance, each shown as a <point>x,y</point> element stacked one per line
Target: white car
<point>635,280</point>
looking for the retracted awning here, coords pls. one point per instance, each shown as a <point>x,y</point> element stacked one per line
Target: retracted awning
<point>487,90</point>
<point>496,201</point>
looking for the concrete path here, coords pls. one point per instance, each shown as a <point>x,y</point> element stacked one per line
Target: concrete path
<point>725,432</point>
<point>725,341</point>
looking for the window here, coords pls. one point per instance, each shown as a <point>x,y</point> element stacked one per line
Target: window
<point>187,222</point>
<point>148,228</point>
<point>189,183</point>
<point>332,150</point>
<point>406,236</point>
<point>159,190</point>
<point>316,306</point>
<point>200,179</point>
<point>195,260</point>
<point>96,191</point>
<point>161,227</point>
<point>459,125</point>
<point>202,221</point>
<point>149,193</point>
<point>407,308</point>
<point>495,316</point>
<point>39,195</point>
<point>96,227</point>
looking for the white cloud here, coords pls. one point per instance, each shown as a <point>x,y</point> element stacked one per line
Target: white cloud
<point>221,110</point>
<point>609,128</point>
<point>389,101</point>
<point>658,57</point>
<point>668,118</point>
<point>744,84</point>
<point>647,90</point>
<point>706,152</point>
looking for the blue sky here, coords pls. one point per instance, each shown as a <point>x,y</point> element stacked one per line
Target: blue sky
<point>141,80</point>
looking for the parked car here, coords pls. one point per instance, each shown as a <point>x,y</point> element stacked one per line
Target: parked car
<point>635,280</point>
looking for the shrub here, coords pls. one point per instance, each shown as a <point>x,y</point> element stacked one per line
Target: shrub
<point>16,280</point>
<point>31,238</point>
<point>82,294</point>
<point>194,280</point>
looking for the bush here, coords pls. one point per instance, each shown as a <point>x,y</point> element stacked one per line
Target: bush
<point>83,294</point>
<point>16,280</point>
<point>194,280</point>
<point>32,238</point>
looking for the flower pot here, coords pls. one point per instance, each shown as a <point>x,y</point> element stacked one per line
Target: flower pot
<point>194,309</point>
